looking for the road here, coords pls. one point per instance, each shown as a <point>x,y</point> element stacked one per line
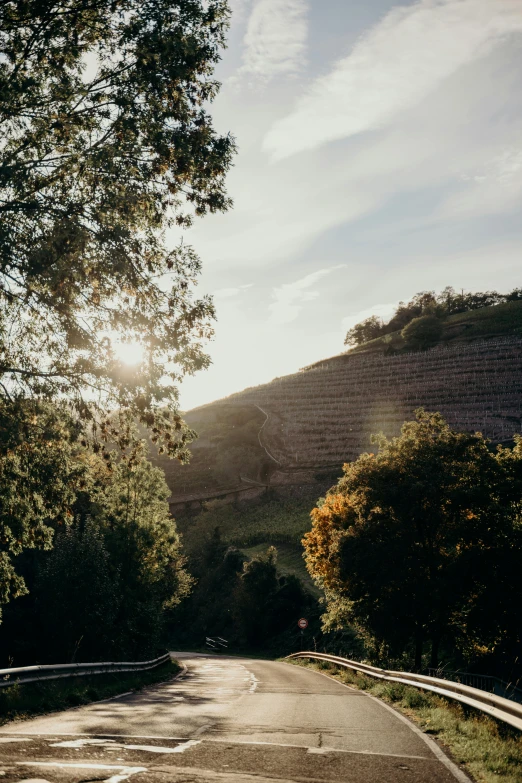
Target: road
<point>227,720</point>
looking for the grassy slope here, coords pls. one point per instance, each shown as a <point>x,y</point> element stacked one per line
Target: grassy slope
<point>228,448</point>
<point>488,750</point>
<point>498,321</point>
<point>253,527</point>
<point>24,701</point>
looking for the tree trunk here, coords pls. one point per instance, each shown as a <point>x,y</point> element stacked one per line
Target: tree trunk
<point>418,650</point>
<point>434,659</point>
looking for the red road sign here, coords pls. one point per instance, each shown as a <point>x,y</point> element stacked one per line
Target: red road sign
<point>302,623</point>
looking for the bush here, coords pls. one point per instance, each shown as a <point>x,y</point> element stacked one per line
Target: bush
<point>423,332</point>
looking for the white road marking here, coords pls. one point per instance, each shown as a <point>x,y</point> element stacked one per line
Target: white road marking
<point>79,743</point>
<point>150,748</point>
<point>123,774</point>
<point>186,746</point>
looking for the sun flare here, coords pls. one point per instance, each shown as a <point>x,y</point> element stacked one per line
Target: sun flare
<point>129,353</point>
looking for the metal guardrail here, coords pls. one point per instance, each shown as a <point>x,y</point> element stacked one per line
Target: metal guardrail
<point>216,643</point>
<point>497,707</point>
<point>484,682</point>
<point>25,674</point>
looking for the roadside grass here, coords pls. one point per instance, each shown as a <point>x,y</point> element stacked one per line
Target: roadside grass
<point>20,702</point>
<point>487,749</point>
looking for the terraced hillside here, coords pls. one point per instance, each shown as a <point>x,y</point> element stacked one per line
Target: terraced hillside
<point>303,425</point>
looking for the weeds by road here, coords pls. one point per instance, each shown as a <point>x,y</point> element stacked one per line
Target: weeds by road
<point>19,702</point>
<point>487,749</point>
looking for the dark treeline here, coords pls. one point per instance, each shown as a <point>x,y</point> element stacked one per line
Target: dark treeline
<point>243,600</point>
<point>427,303</point>
<point>108,568</point>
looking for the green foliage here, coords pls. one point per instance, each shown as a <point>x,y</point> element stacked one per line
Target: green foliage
<point>114,574</point>
<point>245,601</point>
<point>38,480</point>
<point>142,540</point>
<point>422,332</point>
<point>269,520</point>
<point>77,590</point>
<point>364,331</point>
<point>421,540</point>
<point>427,303</point>
<point>106,143</point>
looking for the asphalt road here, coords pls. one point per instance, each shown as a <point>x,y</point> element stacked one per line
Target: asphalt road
<point>230,720</point>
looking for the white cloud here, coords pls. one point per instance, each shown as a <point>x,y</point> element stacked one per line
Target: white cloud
<point>290,298</point>
<point>392,67</point>
<point>275,39</point>
<point>227,293</point>
<point>495,188</point>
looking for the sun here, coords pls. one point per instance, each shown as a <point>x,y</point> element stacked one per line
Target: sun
<point>129,353</point>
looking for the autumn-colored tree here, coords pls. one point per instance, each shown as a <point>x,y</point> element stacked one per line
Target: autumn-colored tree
<point>417,542</point>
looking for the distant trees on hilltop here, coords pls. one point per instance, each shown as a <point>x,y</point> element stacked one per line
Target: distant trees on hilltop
<point>447,302</point>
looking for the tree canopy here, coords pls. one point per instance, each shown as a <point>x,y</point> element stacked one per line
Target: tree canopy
<point>426,303</point>
<point>422,332</point>
<point>106,144</point>
<point>418,542</point>
<point>112,575</point>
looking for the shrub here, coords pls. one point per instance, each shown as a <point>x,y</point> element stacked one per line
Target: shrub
<point>423,332</point>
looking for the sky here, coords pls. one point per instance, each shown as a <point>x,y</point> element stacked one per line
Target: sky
<point>380,154</point>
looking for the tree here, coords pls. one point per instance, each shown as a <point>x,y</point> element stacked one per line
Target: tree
<point>39,478</point>
<point>78,596</point>
<point>363,332</point>
<point>106,144</point>
<point>115,569</point>
<point>427,303</point>
<point>423,332</point>
<point>410,543</point>
<point>145,549</point>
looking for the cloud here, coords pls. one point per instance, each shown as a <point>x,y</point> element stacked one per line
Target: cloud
<point>227,293</point>
<point>495,188</point>
<point>290,298</point>
<point>392,67</point>
<point>275,39</point>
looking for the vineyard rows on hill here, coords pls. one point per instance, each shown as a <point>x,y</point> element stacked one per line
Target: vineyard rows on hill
<point>326,413</point>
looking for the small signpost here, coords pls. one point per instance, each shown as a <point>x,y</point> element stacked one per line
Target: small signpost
<point>302,623</point>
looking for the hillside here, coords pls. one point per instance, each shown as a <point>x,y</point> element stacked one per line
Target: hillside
<point>502,320</point>
<point>282,444</point>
